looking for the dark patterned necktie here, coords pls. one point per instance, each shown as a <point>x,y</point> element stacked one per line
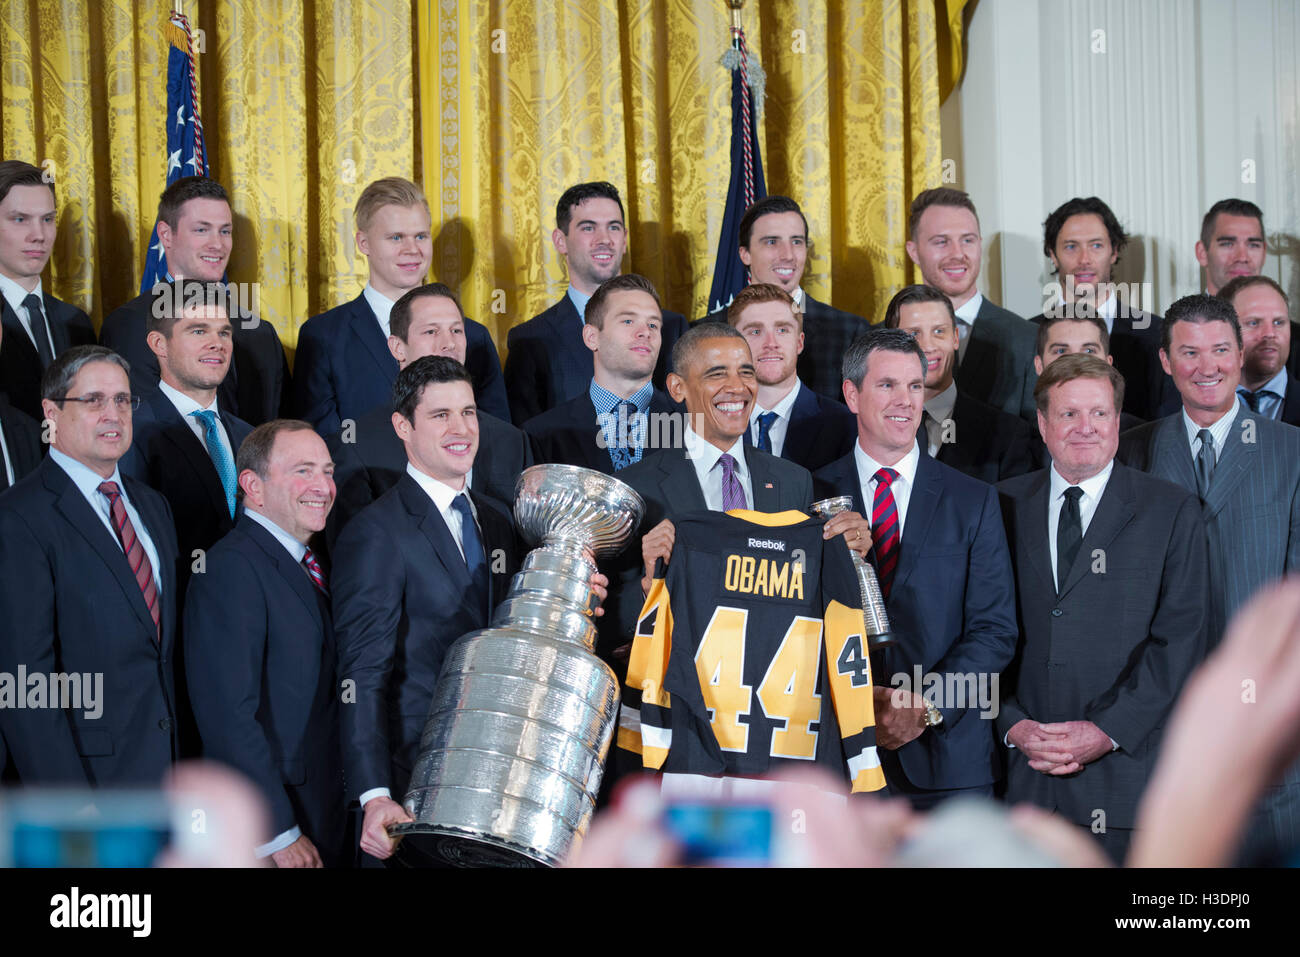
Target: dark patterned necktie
<point>1204,463</point>
<point>315,571</point>
<point>764,431</point>
<point>1069,535</point>
<point>36,316</point>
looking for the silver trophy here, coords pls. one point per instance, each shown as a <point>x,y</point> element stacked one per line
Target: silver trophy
<point>873,605</point>
<point>522,718</point>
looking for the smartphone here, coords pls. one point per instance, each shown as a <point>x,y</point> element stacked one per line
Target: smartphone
<point>65,828</point>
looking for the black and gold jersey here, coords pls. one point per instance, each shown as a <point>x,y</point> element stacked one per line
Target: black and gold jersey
<point>750,652</point>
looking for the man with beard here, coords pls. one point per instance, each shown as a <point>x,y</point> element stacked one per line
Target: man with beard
<point>1266,384</point>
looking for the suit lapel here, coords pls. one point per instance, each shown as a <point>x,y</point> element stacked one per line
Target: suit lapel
<point>1235,463</point>
<point>1032,541</point>
<point>766,486</point>
<point>1171,456</point>
<point>177,433</point>
<point>921,506</point>
<point>425,515</point>
<point>292,572</point>
<point>59,340</point>
<point>978,367</point>
<point>802,427</point>
<point>1291,401</point>
<point>365,326</point>
<point>568,345</point>
<point>1114,511</point>
<point>680,485</point>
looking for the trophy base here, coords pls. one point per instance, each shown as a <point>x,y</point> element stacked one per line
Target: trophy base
<point>880,642</point>
<point>422,847</point>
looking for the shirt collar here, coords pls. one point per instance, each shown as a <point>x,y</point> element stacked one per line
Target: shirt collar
<point>968,310</point>
<point>85,478</point>
<point>1092,487</point>
<point>606,401</point>
<point>15,294</point>
<point>940,407</point>
<point>579,300</point>
<point>782,408</point>
<point>905,467</point>
<point>184,404</point>
<point>706,454</point>
<point>797,296</point>
<point>1105,312</point>
<point>295,548</point>
<point>380,305</point>
<point>441,493</point>
<point>1276,385</point>
<point>1219,429</point>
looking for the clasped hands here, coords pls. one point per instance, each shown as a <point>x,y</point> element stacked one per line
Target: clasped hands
<point>1061,747</point>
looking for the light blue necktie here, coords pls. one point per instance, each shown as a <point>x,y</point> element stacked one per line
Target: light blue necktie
<point>220,457</point>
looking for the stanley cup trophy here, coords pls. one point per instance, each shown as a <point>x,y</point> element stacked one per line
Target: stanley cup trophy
<point>873,605</point>
<point>523,715</point>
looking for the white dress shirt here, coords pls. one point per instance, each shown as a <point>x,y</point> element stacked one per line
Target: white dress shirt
<point>443,495</point>
<point>381,306</point>
<point>1092,492</point>
<point>901,487</point>
<point>1219,431</point>
<point>966,314</point>
<point>87,482</point>
<point>8,458</point>
<point>940,409</point>
<point>297,550</point>
<point>704,456</point>
<point>780,425</point>
<point>14,295</point>
<point>187,406</point>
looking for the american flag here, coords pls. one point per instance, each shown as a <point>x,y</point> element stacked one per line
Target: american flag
<point>186,155</point>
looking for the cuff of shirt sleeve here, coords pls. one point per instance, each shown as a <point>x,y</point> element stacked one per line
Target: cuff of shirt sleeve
<point>374,793</point>
<point>278,843</point>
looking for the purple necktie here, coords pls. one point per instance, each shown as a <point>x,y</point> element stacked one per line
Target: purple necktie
<point>733,495</point>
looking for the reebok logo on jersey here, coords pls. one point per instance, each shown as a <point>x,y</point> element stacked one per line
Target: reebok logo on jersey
<point>771,543</point>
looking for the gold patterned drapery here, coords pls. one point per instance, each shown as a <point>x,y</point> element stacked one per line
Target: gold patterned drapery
<point>497,105</point>
<point>521,98</point>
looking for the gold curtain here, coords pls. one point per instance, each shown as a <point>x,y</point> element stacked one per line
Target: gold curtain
<point>303,103</point>
<point>521,98</point>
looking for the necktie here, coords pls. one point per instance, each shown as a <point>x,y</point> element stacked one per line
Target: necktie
<point>220,457</point>
<point>733,494</point>
<point>1069,535</point>
<point>884,530</point>
<point>135,554</point>
<point>315,571</point>
<point>624,452</point>
<point>1204,463</point>
<point>963,340</point>
<point>926,432</point>
<point>472,547</point>
<point>1252,398</point>
<point>36,316</point>
<point>764,431</point>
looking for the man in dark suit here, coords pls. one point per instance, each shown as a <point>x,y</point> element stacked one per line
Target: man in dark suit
<point>37,327</point>
<point>88,592</point>
<point>261,666</point>
<point>789,419</point>
<point>20,440</point>
<point>195,229</point>
<point>1266,386</point>
<point>605,428</point>
<point>1112,592</point>
<point>422,566</point>
<point>995,352</point>
<point>369,458</point>
<point>1084,239</point>
<point>185,442</point>
<point>343,366</point>
<point>705,465</point>
<point>774,248</point>
<point>547,360</point>
<point>945,575</point>
<point>960,431</point>
<point>1245,469</point>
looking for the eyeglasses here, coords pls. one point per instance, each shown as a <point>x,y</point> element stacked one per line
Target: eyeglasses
<point>98,402</point>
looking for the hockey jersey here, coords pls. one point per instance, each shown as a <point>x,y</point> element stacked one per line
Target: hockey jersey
<point>749,652</point>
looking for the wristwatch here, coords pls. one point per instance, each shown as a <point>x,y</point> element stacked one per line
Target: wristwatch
<point>933,716</point>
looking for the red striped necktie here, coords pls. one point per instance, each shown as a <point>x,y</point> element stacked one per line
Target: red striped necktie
<point>884,530</point>
<point>315,571</point>
<point>135,554</point>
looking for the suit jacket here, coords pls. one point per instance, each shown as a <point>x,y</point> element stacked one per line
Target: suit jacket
<point>951,609</point>
<point>568,433</point>
<point>256,388</point>
<point>547,363</point>
<point>821,430</point>
<point>1115,646</point>
<point>23,439</point>
<point>1135,349</point>
<point>401,598</point>
<point>998,368</point>
<point>368,467</point>
<point>666,481</point>
<point>168,457</point>
<point>827,334</point>
<point>70,604</point>
<point>344,368</point>
<point>20,364</point>
<point>989,444</point>
<point>261,674</point>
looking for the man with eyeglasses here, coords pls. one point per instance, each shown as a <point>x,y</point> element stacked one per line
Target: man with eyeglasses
<point>88,593</point>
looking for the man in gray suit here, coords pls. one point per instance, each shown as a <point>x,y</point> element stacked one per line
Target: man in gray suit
<point>1245,468</point>
<point>1111,581</point>
<point>995,361</point>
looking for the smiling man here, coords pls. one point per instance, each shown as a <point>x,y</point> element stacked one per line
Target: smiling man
<point>37,327</point>
<point>196,230</point>
<point>1267,386</point>
<point>88,584</point>
<point>548,361</point>
<point>1112,589</point>
<point>945,575</point>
